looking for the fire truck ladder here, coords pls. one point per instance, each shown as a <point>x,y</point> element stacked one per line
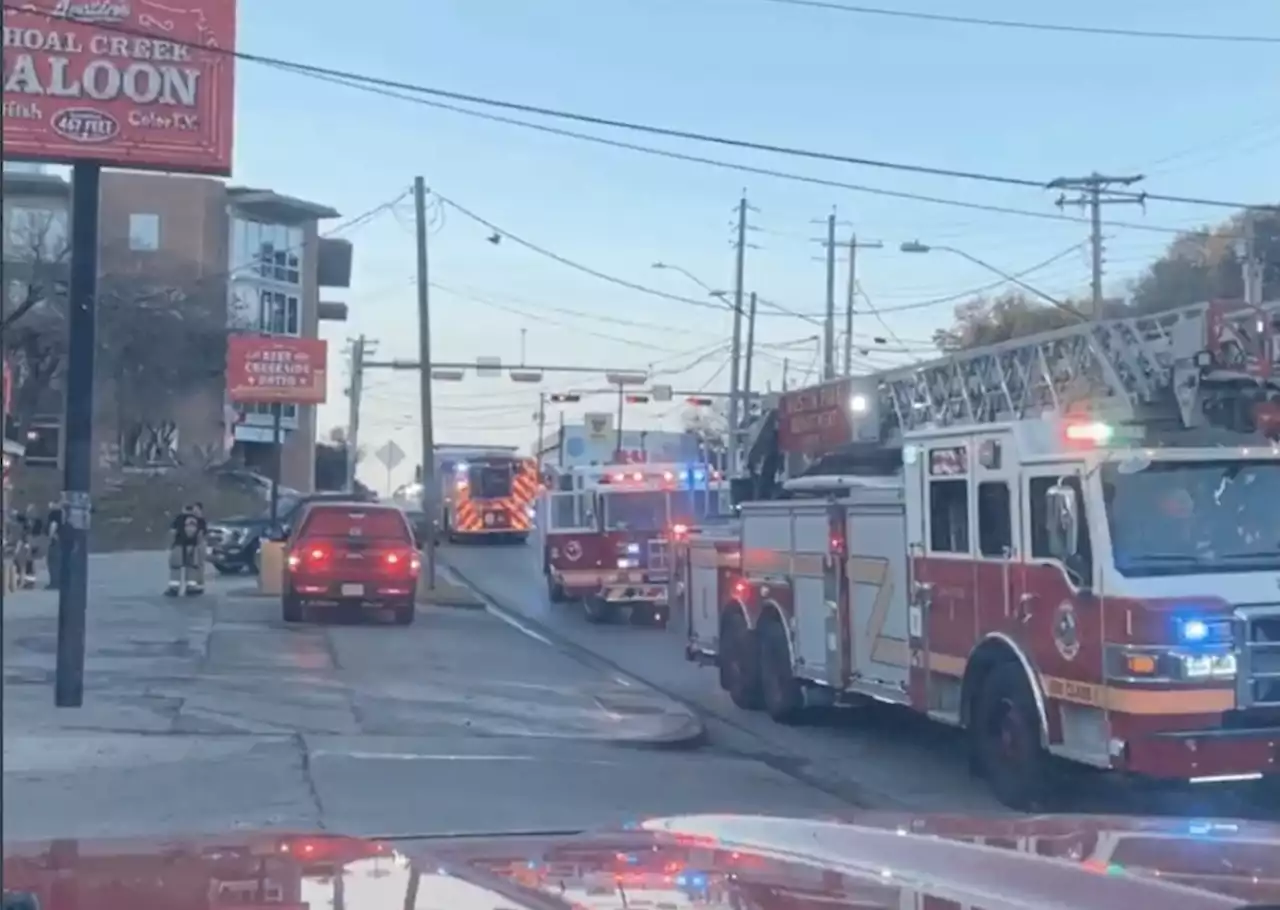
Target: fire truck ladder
<point>1195,366</point>
<point>1212,367</point>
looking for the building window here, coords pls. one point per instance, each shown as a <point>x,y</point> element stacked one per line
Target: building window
<point>271,251</point>
<point>280,313</point>
<point>287,411</point>
<point>144,232</point>
<point>34,233</point>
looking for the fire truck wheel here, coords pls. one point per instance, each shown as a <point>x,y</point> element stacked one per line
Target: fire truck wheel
<point>1006,729</point>
<point>555,591</point>
<point>597,611</point>
<point>739,662</point>
<point>783,697</point>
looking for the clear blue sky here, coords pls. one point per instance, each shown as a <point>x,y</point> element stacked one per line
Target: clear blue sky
<point>1199,119</point>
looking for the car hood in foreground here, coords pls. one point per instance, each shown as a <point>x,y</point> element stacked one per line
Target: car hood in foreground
<point>874,862</point>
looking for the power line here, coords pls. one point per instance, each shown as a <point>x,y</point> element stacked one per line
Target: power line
<point>1153,34</point>
<point>759,171</point>
<point>361,80</point>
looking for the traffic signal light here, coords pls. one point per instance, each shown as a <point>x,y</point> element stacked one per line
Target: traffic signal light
<point>637,399</point>
<point>699,402</point>
<point>564,398</point>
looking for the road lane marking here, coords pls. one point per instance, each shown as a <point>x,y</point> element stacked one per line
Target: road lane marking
<point>517,624</point>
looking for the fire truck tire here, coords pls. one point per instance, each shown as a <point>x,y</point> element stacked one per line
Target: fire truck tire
<point>555,591</point>
<point>1006,731</point>
<point>783,698</point>
<point>739,662</point>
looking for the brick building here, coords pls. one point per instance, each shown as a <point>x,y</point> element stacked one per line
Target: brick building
<point>248,258</point>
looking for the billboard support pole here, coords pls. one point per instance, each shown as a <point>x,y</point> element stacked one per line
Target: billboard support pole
<point>77,435</point>
<point>430,483</point>
<point>276,459</point>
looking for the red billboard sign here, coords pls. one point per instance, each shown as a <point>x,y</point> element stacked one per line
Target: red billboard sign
<point>126,83</point>
<point>815,420</point>
<point>276,369</point>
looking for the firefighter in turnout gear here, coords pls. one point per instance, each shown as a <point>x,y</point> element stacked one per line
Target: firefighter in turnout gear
<point>186,553</point>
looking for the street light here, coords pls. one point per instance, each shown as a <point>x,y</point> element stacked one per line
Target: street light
<point>711,292</point>
<point>915,246</point>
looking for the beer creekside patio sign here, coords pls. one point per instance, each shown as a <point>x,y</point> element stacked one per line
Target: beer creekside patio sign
<point>125,83</point>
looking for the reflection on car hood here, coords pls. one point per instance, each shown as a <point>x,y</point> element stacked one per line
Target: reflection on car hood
<point>873,862</point>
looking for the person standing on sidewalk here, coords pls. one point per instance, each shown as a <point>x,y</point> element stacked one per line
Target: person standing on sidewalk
<point>186,552</point>
<point>53,552</point>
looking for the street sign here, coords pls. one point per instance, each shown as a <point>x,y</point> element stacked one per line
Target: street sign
<point>661,393</point>
<point>488,366</point>
<point>390,455</point>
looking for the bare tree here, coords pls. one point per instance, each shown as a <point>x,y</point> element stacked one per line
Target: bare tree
<point>161,333</point>
<point>34,294</point>
<point>710,428</point>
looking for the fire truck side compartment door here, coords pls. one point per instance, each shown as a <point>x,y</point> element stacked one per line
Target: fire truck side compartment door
<point>878,591</point>
<point>811,536</point>
<point>702,594</point>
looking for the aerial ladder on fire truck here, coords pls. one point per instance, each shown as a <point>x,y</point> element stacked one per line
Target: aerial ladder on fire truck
<point>1203,374</point>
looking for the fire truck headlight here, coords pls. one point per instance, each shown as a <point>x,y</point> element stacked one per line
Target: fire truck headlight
<point>1208,666</point>
<point>858,404</point>
<point>632,548</point>
<point>628,563</point>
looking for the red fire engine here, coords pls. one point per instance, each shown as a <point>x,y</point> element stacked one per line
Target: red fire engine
<point>489,496</point>
<point>1067,544</point>
<point>608,528</point>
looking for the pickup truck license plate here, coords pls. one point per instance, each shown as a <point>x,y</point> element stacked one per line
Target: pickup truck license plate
<point>353,590</point>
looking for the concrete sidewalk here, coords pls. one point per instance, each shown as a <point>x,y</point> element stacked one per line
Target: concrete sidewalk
<point>211,707</point>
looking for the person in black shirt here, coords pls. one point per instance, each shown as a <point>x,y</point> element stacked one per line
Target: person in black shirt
<point>186,552</point>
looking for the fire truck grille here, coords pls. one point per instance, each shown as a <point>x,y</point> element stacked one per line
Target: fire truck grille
<point>1259,684</point>
<point>657,556</point>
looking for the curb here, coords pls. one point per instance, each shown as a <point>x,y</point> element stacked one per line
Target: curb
<point>450,595</point>
<point>690,734</point>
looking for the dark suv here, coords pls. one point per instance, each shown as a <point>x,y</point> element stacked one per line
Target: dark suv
<point>233,542</point>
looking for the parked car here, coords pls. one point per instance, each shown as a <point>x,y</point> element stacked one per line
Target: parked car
<point>233,543</point>
<point>354,555</point>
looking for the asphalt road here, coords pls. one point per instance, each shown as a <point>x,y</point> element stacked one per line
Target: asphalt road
<point>209,715</point>
<point>877,758</point>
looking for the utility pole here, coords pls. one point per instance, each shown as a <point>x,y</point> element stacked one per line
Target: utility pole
<point>1252,263</point>
<point>829,326</point>
<point>77,427</point>
<point>430,483</point>
<point>359,347</point>
<point>829,323</point>
<point>1093,192</point>
<point>735,352</point>
<point>854,246</point>
<point>542,425</point>
<point>751,348</point>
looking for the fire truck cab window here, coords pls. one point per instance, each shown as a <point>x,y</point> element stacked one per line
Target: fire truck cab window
<point>949,516</point>
<point>1045,535</point>
<point>639,511</point>
<point>565,511</point>
<point>490,481</point>
<point>995,521</point>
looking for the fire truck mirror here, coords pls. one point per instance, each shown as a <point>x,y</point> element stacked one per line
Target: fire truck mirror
<point>1064,521</point>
